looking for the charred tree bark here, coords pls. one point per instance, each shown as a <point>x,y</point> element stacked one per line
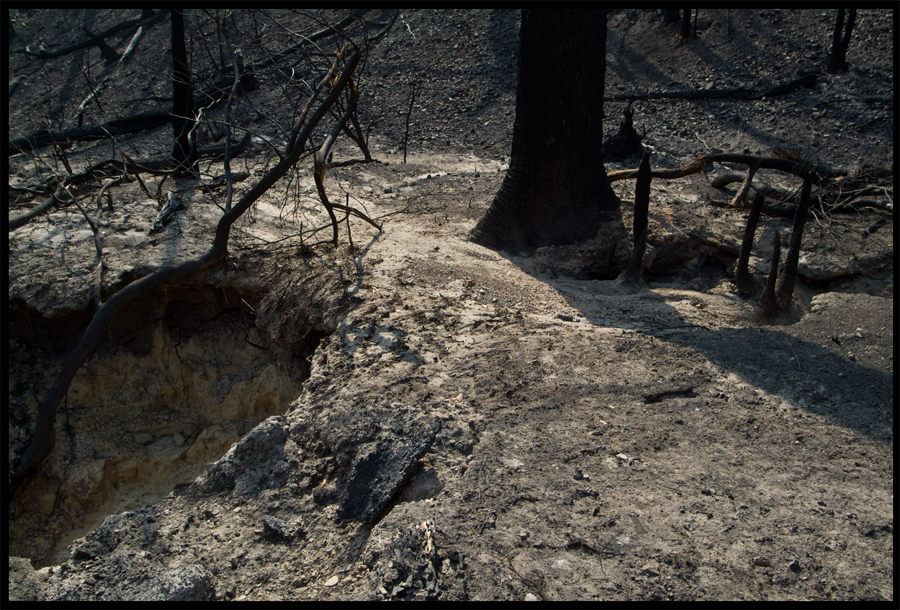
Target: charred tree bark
<point>556,186</point>
<point>632,273</point>
<point>837,62</point>
<point>789,277</point>
<point>183,106</point>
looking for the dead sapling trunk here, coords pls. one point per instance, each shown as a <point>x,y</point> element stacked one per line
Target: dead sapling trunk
<point>183,104</point>
<point>837,61</point>
<point>28,466</point>
<point>686,23</point>
<point>767,299</point>
<point>789,277</point>
<point>741,273</point>
<point>632,273</point>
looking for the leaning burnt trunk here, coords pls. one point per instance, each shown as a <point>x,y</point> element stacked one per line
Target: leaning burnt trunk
<point>556,186</point>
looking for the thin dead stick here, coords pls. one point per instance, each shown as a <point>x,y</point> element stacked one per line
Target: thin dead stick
<point>797,358</point>
<point>740,198</point>
<point>347,219</point>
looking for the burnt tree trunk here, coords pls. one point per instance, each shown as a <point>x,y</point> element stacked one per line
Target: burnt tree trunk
<point>633,271</point>
<point>183,106</point>
<point>767,299</point>
<point>837,62</point>
<point>742,271</point>
<point>686,23</point>
<point>788,279</point>
<point>556,186</point>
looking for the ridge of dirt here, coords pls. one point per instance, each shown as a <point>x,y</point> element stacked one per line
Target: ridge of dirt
<point>558,437</point>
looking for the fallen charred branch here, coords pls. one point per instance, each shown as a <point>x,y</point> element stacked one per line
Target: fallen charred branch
<point>838,196</point>
<point>817,173</point>
<point>808,80</point>
<point>134,124</point>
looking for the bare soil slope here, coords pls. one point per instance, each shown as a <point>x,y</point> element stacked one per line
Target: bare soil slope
<point>417,417</point>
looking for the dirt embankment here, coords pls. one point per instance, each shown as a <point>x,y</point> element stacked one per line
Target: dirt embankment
<point>441,421</point>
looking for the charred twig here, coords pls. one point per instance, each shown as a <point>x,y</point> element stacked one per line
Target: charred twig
<point>534,583</point>
<point>740,198</point>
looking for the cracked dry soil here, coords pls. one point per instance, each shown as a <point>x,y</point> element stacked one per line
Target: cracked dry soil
<point>485,425</point>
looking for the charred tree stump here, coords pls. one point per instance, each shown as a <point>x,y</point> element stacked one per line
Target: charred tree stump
<point>767,299</point>
<point>789,277</point>
<point>741,272</point>
<point>627,141</point>
<point>632,273</point>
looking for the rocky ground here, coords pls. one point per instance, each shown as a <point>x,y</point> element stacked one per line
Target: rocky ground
<point>417,417</point>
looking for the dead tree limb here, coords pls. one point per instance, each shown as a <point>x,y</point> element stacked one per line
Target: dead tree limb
<point>319,171</point>
<point>151,165</point>
<point>95,91</point>
<point>740,198</point>
<point>109,55</point>
<point>229,193</point>
<point>129,23</point>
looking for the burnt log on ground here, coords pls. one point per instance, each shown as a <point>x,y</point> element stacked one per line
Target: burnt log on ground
<point>140,122</point>
<point>807,80</point>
